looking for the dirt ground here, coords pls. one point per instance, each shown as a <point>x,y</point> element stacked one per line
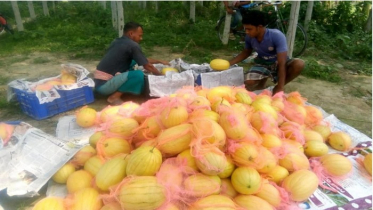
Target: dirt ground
<point>350,100</point>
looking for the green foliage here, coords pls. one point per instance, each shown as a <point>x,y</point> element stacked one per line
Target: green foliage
<point>314,70</point>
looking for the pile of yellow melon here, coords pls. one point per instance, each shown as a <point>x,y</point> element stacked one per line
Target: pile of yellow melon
<point>66,78</point>
<point>219,148</point>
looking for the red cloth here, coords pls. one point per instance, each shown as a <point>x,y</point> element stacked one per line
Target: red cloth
<point>2,21</point>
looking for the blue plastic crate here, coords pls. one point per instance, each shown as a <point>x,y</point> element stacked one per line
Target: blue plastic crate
<point>69,99</point>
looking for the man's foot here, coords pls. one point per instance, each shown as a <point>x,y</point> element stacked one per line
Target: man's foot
<point>231,36</point>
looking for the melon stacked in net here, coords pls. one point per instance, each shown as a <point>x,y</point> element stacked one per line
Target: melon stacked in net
<point>219,148</point>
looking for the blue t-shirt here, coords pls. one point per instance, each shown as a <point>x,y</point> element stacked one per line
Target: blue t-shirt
<point>274,41</point>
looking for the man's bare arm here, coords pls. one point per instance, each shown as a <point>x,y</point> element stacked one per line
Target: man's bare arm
<point>240,57</point>
<point>154,61</point>
<point>281,72</point>
<point>149,67</point>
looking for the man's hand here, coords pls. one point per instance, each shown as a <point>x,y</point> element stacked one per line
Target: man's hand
<point>277,89</point>
<point>165,63</point>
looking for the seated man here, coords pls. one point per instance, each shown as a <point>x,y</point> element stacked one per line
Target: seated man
<point>114,75</point>
<point>272,60</point>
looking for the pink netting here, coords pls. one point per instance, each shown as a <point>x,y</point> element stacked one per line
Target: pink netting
<point>295,97</point>
<point>255,159</point>
<point>314,116</point>
<point>7,131</point>
<point>281,151</point>
<point>323,175</point>
<point>184,132</point>
<point>199,151</point>
<point>172,175</point>
<point>292,113</point>
<point>265,123</point>
<point>293,131</point>
<point>206,131</point>
<point>286,203</point>
<point>148,130</point>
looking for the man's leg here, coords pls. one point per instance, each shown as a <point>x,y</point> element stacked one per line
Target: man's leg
<point>111,88</point>
<point>293,69</point>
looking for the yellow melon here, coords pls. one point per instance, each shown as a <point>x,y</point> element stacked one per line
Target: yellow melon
<point>277,174</point>
<point>144,161</point>
<point>368,163</point>
<point>123,127</point>
<point>87,198</point>
<point>173,116</point>
<point>301,184</point>
<point>111,173</point>
<point>340,141</point>
<point>200,185</point>
<point>86,117</point>
<point>174,140</point>
<point>95,138</point>
<point>294,161</point>
<point>214,202</point>
<point>252,202</point>
<point>212,162</point>
<point>219,64</point>
<point>83,155</point>
<point>63,173</point>
<point>227,188</point>
<point>93,164</point>
<point>191,162</point>
<point>336,164</point>
<point>141,192</point>
<point>167,69</point>
<point>78,180</point>
<point>234,125</point>
<point>246,180</point>
<point>315,148</point>
<point>114,146</point>
<point>49,203</point>
<point>270,194</point>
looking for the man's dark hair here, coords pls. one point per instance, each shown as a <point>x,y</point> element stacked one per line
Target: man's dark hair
<point>254,17</point>
<point>130,26</point>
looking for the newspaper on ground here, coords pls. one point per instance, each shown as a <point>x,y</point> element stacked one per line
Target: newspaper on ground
<point>79,71</point>
<point>231,77</point>
<point>355,191</point>
<point>30,159</point>
<point>160,86</point>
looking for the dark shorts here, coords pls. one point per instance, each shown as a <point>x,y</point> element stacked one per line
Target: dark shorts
<point>261,70</point>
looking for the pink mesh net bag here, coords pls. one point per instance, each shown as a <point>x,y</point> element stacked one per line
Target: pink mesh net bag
<point>6,131</point>
<point>293,131</point>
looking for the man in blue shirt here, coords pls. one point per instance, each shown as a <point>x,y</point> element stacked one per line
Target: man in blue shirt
<point>272,60</point>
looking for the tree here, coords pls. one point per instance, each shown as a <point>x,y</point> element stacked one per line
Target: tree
<point>144,4</point>
<point>114,14</point>
<point>45,8</point>
<point>156,6</point>
<point>293,21</point>
<point>308,15</point>
<point>120,18</point>
<point>53,6</point>
<point>227,25</point>
<point>368,25</point>
<point>192,15</point>
<point>31,10</point>
<point>17,15</point>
